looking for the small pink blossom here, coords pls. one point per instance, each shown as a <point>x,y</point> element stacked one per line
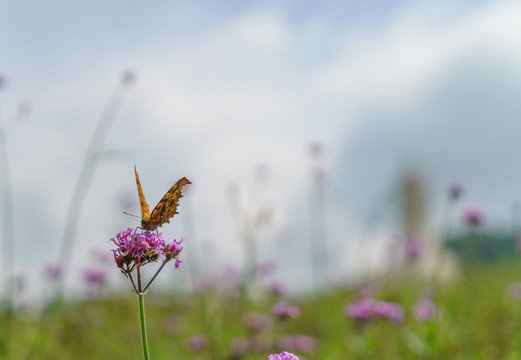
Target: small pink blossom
<point>361,310</point>
<point>95,279</point>
<point>413,248</point>
<point>473,217</point>
<point>198,342</point>
<point>425,309</point>
<point>258,322</point>
<point>299,343</point>
<point>283,356</point>
<point>52,270</point>
<point>277,287</point>
<point>369,308</point>
<point>284,311</point>
<point>137,249</point>
<point>265,267</point>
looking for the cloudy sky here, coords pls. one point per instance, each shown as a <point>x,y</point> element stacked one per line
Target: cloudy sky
<point>224,89</point>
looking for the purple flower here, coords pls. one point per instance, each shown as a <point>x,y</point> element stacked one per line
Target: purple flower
<point>231,272</point>
<point>299,343</point>
<point>455,191</point>
<point>362,310</point>
<point>52,270</point>
<point>413,248</point>
<point>369,308</point>
<point>473,217</point>
<point>425,309</point>
<point>198,342</point>
<point>283,356</point>
<point>277,287</point>
<point>95,279</point>
<point>140,248</point>
<point>284,311</point>
<point>389,310</point>
<point>265,267</point>
<point>172,250</point>
<point>258,322</point>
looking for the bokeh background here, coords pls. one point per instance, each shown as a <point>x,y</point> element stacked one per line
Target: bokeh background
<point>255,102</point>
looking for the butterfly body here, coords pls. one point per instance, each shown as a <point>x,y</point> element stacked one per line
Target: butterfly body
<point>165,208</point>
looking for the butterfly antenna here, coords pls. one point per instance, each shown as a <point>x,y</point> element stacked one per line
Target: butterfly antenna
<point>126,213</point>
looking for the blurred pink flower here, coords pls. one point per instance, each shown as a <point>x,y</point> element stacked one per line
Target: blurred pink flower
<point>455,191</point>
<point>369,308</point>
<point>231,272</point>
<point>299,343</point>
<point>52,270</point>
<point>283,356</point>
<point>284,311</point>
<point>425,309</point>
<point>389,310</point>
<point>265,267</point>
<point>413,248</point>
<point>277,287</point>
<point>198,342</point>
<point>95,279</point>
<point>473,217</point>
<point>258,322</point>
<point>361,310</point>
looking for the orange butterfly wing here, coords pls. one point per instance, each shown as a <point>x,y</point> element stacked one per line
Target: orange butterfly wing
<point>165,208</point>
<point>145,212</point>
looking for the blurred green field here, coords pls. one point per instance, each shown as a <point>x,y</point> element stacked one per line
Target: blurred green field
<point>479,320</point>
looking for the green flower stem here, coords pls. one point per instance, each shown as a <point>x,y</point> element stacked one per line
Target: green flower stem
<point>154,277</point>
<point>144,340</point>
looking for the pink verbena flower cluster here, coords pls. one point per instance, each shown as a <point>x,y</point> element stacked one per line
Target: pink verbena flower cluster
<point>283,356</point>
<point>369,308</point>
<point>135,249</point>
<point>425,309</point>
<point>285,311</point>
<point>474,217</point>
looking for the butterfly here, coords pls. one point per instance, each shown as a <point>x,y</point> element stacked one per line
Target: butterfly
<point>165,208</point>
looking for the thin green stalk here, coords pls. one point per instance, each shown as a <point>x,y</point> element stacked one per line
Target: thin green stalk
<point>144,341</point>
<point>154,277</point>
<point>92,158</point>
